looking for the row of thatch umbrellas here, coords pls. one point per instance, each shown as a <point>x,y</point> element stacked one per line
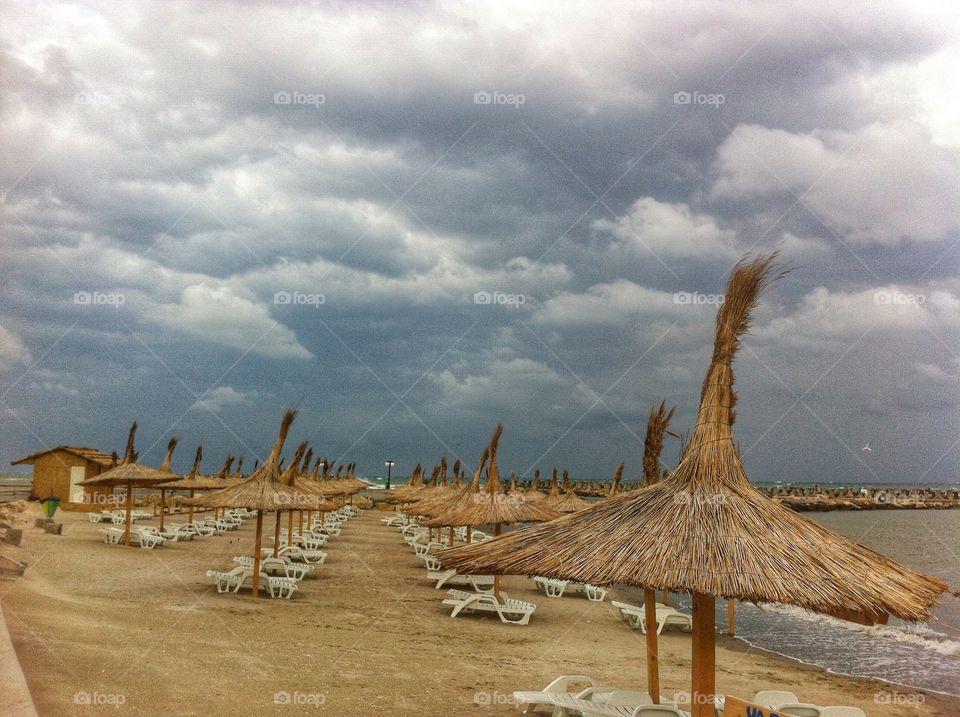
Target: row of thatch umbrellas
<point>269,488</point>
<point>703,530</point>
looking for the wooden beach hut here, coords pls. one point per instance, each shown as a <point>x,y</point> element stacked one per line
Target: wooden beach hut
<point>58,472</point>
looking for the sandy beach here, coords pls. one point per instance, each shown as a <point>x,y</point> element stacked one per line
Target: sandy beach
<point>145,633</point>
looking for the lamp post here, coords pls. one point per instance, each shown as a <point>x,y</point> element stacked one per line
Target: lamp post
<point>389,465</point>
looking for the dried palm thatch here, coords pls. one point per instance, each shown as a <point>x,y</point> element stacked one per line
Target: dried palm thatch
<point>533,492</point>
<point>615,486</point>
<point>493,505</point>
<point>705,529</point>
<point>263,490</point>
<point>657,425</point>
<point>131,474</point>
<point>449,500</point>
<point>404,493</point>
<point>569,502</point>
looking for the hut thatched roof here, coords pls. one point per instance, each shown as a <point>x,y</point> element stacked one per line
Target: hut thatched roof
<point>657,425</point>
<point>493,505</point>
<point>131,473</point>
<point>263,490</point>
<point>705,529</point>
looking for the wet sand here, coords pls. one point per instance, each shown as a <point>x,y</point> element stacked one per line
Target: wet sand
<point>145,633</point>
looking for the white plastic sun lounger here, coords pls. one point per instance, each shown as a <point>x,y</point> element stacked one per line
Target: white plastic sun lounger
<point>774,698</point>
<point>297,554</point>
<point>480,583</point>
<point>839,711</point>
<point>426,548</point>
<point>513,612</point>
<point>530,699</point>
<point>636,617</point>
<point>556,588</point>
<point>112,536</point>
<point>233,580</point>
<point>290,569</point>
<point>565,703</point>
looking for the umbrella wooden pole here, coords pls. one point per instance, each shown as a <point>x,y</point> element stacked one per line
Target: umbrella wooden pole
<point>126,528</point>
<point>256,554</point>
<point>276,537</point>
<point>653,664</point>
<point>450,537</point>
<point>496,578</point>
<point>731,618</point>
<point>703,692</point>
<point>468,535</point>
<point>163,506</point>
<point>290,527</point>
<point>666,598</point>
<point>190,511</point>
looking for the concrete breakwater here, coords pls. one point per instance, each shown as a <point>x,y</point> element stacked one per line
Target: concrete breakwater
<point>820,498</point>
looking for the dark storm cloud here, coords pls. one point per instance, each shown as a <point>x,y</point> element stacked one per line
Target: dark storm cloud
<point>385,165</point>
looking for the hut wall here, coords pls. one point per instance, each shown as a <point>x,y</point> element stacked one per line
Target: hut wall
<point>51,477</point>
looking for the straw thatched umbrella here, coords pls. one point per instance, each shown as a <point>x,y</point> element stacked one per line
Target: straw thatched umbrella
<point>129,473</point>
<point>705,530</point>
<point>615,486</point>
<point>262,491</point>
<point>166,467</point>
<point>194,481</point>
<point>493,506</point>
<point>534,492</point>
<point>449,501</point>
<point>404,493</point>
<point>569,502</point>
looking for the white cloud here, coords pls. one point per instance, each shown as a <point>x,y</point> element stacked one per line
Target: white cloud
<point>615,304</point>
<point>13,352</point>
<point>221,397</point>
<point>220,316</point>
<point>670,230</point>
<point>878,185</point>
<point>824,315</point>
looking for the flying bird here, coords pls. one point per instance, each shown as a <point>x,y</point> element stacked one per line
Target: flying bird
<point>866,447</point>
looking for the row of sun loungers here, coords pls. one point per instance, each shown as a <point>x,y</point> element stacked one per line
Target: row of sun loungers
<point>594,699</point>
<point>557,588</point>
<point>298,556</point>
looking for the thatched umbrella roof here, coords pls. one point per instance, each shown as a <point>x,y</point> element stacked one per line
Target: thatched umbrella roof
<point>448,500</point>
<point>534,492</point>
<point>493,505</point>
<point>410,491</point>
<point>569,502</point>
<point>705,529</point>
<point>263,490</point>
<point>130,473</point>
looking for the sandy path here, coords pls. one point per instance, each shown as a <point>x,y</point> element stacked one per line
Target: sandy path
<point>366,637</point>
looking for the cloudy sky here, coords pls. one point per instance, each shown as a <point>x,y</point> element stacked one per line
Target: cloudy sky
<point>418,221</point>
